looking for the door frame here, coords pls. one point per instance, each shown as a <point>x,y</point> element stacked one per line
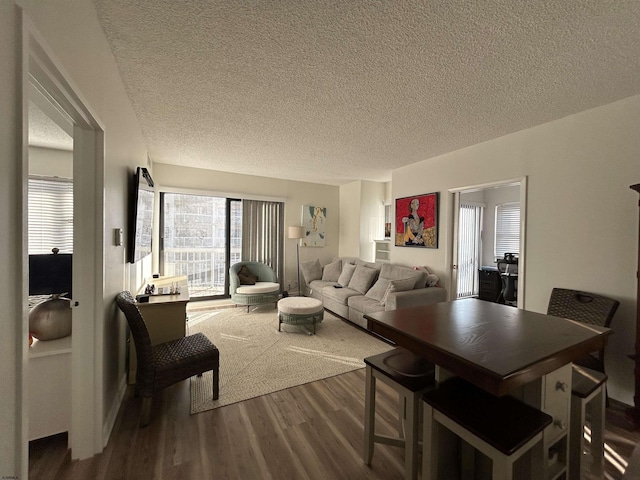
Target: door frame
<point>452,254</point>
<point>42,70</point>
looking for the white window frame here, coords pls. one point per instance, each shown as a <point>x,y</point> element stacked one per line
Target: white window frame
<point>507,229</point>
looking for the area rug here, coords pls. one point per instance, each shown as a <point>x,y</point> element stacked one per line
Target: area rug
<point>256,359</point>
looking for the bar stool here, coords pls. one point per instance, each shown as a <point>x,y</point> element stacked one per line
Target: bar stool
<point>502,428</point>
<point>587,392</point>
<point>410,376</point>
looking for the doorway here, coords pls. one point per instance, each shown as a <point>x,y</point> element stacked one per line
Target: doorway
<point>44,82</point>
<point>479,236</point>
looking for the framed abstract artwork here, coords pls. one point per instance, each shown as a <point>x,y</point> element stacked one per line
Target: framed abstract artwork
<point>417,221</point>
<point>313,221</point>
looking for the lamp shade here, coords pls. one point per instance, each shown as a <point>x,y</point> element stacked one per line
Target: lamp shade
<point>296,232</point>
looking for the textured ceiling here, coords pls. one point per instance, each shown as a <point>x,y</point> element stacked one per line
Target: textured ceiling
<point>45,132</point>
<point>334,91</point>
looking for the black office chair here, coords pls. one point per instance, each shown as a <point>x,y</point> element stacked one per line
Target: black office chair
<point>162,365</point>
<point>508,270</point>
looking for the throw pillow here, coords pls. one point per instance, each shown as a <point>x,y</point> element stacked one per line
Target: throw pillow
<point>379,288</point>
<point>331,271</point>
<point>347,273</point>
<point>432,280</point>
<point>311,270</point>
<point>424,271</point>
<point>246,276</point>
<point>375,266</point>
<point>398,286</point>
<point>363,278</point>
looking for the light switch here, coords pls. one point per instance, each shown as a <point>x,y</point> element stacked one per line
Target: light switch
<point>117,237</point>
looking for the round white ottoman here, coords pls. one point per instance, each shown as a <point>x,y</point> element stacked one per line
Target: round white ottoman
<point>300,310</point>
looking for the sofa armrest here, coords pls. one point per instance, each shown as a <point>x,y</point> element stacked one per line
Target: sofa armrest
<point>413,298</point>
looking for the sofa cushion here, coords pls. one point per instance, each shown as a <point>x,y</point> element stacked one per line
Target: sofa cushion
<point>430,279</point>
<point>331,272</point>
<point>389,272</point>
<point>311,270</point>
<point>398,272</point>
<point>258,288</point>
<point>344,260</point>
<point>314,289</point>
<point>362,279</point>
<point>246,276</point>
<point>346,274</point>
<point>379,288</point>
<point>339,295</point>
<point>375,266</point>
<point>398,286</point>
<point>364,304</point>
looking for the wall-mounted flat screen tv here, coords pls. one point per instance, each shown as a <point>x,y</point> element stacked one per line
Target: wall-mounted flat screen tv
<point>141,215</point>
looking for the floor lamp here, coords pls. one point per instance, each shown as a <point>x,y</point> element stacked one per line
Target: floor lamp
<point>297,233</point>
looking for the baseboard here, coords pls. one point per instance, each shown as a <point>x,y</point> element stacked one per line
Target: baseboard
<point>110,421</point>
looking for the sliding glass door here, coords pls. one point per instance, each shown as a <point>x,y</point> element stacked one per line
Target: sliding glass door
<point>201,236</point>
<point>469,230</point>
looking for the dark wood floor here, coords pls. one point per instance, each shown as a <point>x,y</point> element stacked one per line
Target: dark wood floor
<point>313,431</point>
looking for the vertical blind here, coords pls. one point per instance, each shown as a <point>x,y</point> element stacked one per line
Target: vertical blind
<point>507,235</point>
<point>263,234</point>
<point>50,214</point>
<point>470,224</point>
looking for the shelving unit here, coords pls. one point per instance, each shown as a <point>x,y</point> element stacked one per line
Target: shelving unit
<point>49,387</point>
<point>383,250</point>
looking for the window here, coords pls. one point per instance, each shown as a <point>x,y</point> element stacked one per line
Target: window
<point>507,234</point>
<point>200,237</point>
<point>50,214</point>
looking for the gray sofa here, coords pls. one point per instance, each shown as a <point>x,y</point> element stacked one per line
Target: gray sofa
<point>352,288</point>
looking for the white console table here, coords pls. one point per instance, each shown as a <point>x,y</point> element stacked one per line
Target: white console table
<point>49,386</point>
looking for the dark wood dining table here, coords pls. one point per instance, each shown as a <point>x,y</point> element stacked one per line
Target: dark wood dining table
<point>496,347</point>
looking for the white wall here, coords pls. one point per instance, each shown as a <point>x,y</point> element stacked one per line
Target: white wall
<point>350,219</point>
<point>361,218</point>
<point>49,162</point>
<point>295,194</point>
<point>13,458</point>
<point>388,192</point>
<point>371,218</point>
<point>582,217</point>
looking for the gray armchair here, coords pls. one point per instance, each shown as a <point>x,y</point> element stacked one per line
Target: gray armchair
<point>265,290</point>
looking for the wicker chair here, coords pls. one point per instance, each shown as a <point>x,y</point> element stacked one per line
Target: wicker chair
<point>162,365</point>
<point>586,308</point>
<point>266,289</point>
